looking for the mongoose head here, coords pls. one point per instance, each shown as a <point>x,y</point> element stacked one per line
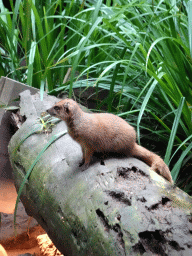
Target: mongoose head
<point>64,109</point>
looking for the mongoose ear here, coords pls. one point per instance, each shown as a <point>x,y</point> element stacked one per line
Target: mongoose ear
<point>66,107</point>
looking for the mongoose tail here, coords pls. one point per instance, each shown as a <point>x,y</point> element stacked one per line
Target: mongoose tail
<point>154,161</point>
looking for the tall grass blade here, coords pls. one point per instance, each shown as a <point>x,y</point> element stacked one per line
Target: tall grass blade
<point>80,48</point>
<point>31,62</point>
<point>177,166</point>
<point>145,101</point>
<point>174,130</point>
<point>190,25</point>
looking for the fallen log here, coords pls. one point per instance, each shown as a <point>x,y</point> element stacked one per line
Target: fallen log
<point>119,208</point>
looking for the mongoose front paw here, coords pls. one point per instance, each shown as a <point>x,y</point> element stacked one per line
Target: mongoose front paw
<point>82,163</point>
<point>83,166</point>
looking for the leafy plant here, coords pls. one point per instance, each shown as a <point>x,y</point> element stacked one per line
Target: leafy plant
<point>139,51</point>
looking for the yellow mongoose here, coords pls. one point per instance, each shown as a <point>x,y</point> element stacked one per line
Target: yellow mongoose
<point>105,133</point>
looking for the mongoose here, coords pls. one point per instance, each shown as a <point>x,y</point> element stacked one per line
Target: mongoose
<point>104,133</point>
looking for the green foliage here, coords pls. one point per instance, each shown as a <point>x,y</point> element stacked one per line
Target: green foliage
<point>140,51</point>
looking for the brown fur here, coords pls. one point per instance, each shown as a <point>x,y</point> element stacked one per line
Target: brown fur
<point>105,133</point>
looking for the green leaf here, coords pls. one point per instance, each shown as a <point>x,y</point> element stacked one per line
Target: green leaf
<point>80,46</point>
<point>190,25</point>
<point>31,62</point>
<point>174,130</point>
<point>177,166</point>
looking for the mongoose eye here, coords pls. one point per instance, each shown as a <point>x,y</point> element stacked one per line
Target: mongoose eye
<point>56,108</point>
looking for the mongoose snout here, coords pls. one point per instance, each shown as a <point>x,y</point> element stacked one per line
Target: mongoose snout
<point>105,133</point>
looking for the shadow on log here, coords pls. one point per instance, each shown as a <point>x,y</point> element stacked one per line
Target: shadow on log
<point>119,208</point>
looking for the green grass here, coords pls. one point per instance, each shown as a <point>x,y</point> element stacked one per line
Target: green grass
<point>139,51</point>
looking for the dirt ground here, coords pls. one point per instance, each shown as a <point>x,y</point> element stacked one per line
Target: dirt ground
<point>26,243</point>
<point>35,242</point>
